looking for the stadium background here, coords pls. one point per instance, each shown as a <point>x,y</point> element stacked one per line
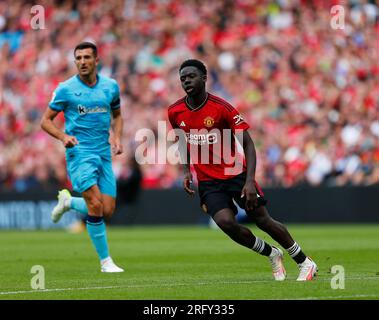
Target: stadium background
<point>309,92</point>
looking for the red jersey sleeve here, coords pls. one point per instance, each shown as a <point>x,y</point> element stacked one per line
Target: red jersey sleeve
<point>235,120</point>
<point>172,120</point>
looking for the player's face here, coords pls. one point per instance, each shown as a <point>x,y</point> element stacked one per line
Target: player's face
<point>193,81</point>
<point>86,61</point>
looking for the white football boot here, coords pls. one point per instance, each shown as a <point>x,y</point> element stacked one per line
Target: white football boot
<point>107,265</point>
<point>64,201</point>
<point>308,270</point>
<point>276,259</point>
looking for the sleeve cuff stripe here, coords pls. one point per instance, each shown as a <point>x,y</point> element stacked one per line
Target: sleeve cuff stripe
<point>115,103</point>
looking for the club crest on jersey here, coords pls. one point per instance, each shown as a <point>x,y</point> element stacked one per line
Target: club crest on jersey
<point>209,122</point>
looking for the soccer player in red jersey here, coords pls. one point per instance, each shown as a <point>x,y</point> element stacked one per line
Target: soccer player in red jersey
<point>206,126</point>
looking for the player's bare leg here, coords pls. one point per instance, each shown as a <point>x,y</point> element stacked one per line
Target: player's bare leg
<point>109,204</point>
<point>227,222</point>
<point>96,228</point>
<point>277,231</point>
<point>94,202</point>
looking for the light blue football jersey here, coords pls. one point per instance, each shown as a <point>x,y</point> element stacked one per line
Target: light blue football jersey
<point>88,112</point>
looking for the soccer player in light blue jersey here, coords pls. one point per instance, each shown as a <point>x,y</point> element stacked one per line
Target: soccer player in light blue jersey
<point>88,101</point>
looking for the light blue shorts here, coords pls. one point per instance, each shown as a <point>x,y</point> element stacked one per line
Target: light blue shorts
<point>84,172</point>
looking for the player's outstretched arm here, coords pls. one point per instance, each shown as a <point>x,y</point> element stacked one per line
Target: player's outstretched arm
<point>249,191</point>
<point>187,180</point>
<point>187,175</point>
<point>185,161</point>
<point>118,125</point>
<point>48,125</point>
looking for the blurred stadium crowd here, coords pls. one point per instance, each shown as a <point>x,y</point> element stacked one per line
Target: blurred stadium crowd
<point>309,92</point>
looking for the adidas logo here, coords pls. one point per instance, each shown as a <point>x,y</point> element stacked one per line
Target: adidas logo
<point>182,124</point>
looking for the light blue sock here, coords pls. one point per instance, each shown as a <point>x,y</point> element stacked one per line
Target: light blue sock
<point>98,235</point>
<point>79,205</point>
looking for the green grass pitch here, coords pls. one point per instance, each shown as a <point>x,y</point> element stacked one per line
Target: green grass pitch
<point>192,263</point>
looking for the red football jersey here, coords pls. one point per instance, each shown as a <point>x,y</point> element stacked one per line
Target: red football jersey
<point>209,131</point>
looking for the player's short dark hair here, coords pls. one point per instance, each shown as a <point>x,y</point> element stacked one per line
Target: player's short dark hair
<point>85,45</point>
<point>194,63</point>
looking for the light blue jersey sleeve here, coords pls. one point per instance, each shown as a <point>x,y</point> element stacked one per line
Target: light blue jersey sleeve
<point>115,104</point>
<point>58,101</point>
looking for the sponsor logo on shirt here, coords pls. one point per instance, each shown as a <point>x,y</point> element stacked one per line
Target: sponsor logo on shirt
<point>201,139</point>
<point>85,110</point>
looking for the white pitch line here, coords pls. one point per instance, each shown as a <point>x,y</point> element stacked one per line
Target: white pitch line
<point>132,286</point>
<point>57,289</point>
<point>178,285</point>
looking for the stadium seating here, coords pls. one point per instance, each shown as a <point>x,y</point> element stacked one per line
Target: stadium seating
<point>309,92</point>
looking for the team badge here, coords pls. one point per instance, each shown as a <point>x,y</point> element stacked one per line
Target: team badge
<point>209,122</point>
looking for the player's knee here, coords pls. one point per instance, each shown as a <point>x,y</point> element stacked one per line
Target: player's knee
<point>226,224</point>
<point>262,219</point>
<point>108,211</point>
<point>264,223</point>
<point>95,205</point>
